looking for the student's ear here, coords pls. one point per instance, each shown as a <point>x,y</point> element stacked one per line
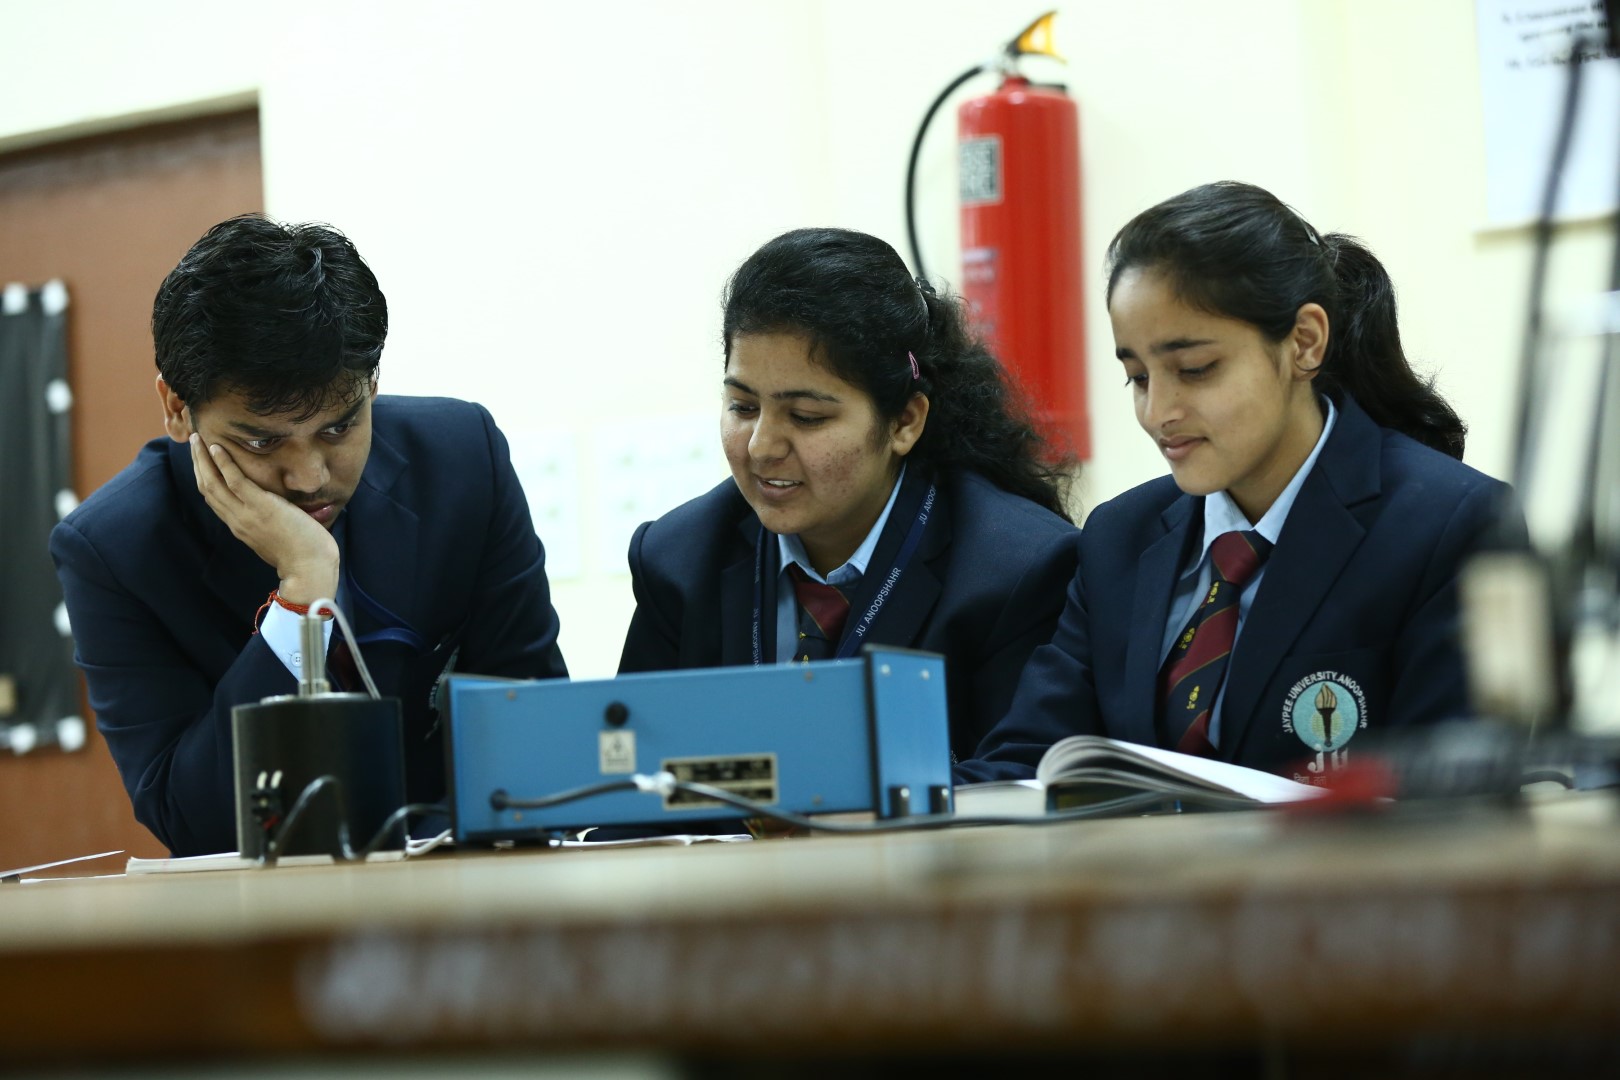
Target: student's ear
<point>1310,338</point>
<point>176,419</point>
<point>908,426</point>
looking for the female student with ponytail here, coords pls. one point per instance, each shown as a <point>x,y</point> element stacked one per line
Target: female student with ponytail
<point>886,487</point>
<point>1293,582</point>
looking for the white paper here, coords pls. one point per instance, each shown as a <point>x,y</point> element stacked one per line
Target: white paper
<point>231,860</point>
<point>7,875</point>
<point>1524,54</point>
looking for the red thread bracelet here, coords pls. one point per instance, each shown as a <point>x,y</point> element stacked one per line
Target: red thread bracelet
<point>276,598</point>
<point>296,609</point>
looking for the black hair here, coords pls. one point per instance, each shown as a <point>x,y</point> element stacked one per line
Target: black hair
<point>288,316</point>
<point>1238,251</point>
<point>852,296</point>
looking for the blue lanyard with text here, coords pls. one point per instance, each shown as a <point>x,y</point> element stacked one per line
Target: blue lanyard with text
<point>854,637</point>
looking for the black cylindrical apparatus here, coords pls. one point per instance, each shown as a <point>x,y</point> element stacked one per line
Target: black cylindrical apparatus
<point>354,738</point>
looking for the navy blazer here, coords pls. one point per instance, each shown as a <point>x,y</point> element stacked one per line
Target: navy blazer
<point>162,600</point>
<point>1360,592</point>
<point>984,588</point>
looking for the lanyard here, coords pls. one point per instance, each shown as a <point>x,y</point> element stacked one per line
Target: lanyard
<point>874,594</point>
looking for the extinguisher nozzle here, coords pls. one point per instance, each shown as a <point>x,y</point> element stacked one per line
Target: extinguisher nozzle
<point>1037,39</point>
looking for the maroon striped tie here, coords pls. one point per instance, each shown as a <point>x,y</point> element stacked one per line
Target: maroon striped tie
<point>341,671</point>
<point>823,610</point>
<point>1192,674</point>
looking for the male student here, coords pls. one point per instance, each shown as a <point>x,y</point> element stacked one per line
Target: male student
<point>285,479</point>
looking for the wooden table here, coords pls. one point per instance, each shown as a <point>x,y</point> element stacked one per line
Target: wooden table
<point>1165,936</point>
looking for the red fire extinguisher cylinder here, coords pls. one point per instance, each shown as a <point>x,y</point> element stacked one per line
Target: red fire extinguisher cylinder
<point>1019,155</point>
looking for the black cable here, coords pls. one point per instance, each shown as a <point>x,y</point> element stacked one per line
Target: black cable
<point>1589,542</point>
<point>1538,272</point>
<point>276,844</point>
<point>1600,502</point>
<point>911,166</point>
<point>1139,802</point>
<point>404,812</point>
<point>500,800</point>
<point>1129,804</point>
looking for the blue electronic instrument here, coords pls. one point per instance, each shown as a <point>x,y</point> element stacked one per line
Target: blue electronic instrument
<point>838,736</point>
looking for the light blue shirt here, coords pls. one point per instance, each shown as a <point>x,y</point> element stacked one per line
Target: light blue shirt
<point>1221,515</point>
<point>791,550</point>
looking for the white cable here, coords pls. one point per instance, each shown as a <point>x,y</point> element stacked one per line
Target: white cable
<point>328,604</point>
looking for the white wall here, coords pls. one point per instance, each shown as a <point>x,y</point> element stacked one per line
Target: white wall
<point>552,196</point>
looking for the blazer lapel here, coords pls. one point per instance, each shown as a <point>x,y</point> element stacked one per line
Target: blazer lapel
<point>1323,530</point>
<point>909,606</point>
<point>237,576</point>
<point>918,589</point>
<point>1156,573</point>
<point>737,603</point>
<point>381,545</point>
<point>901,618</point>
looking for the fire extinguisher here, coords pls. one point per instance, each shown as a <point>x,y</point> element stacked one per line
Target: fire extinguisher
<point>1018,153</point>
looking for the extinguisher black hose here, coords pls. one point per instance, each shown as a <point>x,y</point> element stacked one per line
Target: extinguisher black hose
<point>911,167</point>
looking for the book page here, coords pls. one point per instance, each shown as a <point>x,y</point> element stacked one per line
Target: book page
<point>1085,751</point>
<point>1000,798</point>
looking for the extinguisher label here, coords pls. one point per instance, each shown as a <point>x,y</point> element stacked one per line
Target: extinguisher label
<point>979,166</point>
<point>981,290</point>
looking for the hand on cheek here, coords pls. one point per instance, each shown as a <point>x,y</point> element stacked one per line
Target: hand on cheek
<point>303,552</point>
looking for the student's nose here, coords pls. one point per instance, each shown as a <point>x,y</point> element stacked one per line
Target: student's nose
<point>767,442</point>
<point>304,471</point>
<point>1162,404</point>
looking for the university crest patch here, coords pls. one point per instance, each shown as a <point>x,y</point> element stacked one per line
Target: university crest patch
<point>1325,709</point>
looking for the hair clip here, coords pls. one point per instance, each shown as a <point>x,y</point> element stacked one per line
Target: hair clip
<point>915,374</point>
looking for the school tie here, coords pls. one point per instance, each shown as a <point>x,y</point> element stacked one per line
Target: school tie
<point>823,610</point>
<point>341,671</point>
<point>1192,674</point>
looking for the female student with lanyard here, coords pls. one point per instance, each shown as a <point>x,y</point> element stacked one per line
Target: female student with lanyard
<point>886,487</point>
<point>1294,580</point>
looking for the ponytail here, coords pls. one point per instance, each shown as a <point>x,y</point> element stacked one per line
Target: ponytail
<point>1238,251</point>
<point>978,418</point>
<point>1365,358</point>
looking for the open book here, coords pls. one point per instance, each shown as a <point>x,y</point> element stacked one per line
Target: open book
<point>1090,768</point>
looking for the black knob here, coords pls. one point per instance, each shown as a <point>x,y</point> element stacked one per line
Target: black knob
<point>616,713</point>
